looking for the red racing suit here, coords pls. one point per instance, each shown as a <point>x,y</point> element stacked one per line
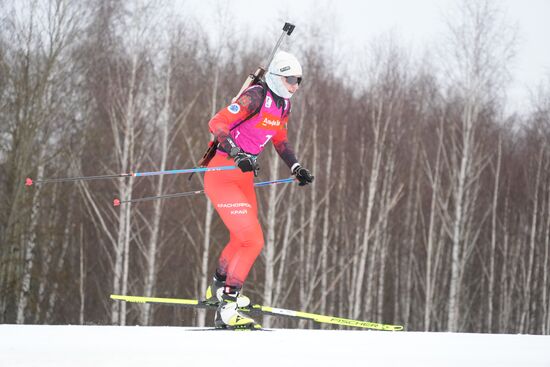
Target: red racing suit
<point>251,122</point>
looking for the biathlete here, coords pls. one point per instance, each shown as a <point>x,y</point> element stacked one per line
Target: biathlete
<point>242,130</point>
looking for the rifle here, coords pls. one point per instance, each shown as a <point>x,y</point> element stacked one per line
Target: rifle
<point>258,75</point>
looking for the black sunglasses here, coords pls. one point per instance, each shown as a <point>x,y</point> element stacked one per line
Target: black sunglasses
<point>292,79</point>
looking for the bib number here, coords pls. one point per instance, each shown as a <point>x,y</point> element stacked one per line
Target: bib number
<point>268,138</point>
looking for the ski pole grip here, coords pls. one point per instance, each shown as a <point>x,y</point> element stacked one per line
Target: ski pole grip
<point>288,28</point>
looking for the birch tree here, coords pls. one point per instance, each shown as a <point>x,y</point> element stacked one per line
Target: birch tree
<point>125,109</point>
<point>480,44</point>
<point>434,176</point>
<point>384,102</point>
<point>492,253</point>
<point>39,35</point>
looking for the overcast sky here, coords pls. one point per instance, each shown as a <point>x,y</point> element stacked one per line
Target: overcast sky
<point>418,23</point>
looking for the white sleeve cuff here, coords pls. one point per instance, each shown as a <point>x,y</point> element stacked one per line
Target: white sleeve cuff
<point>294,166</point>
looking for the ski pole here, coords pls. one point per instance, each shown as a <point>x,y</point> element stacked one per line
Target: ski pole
<point>118,202</point>
<point>30,182</point>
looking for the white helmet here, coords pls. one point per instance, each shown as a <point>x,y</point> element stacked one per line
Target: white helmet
<point>283,64</point>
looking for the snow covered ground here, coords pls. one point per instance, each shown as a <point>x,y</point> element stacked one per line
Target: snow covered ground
<point>82,346</point>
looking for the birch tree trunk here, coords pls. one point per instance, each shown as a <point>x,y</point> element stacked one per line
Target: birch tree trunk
<point>379,130</point>
<point>125,155</point>
<point>269,250</point>
<point>30,246</point>
<point>146,315</point>
<point>434,179</point>
<point>209,215</point>
<point>411,219</point>
<point>546,266</point>
<point>326,225</point>
<point>47,255</point>
<point>310,273</point>
<point>479,47</point>
<point>82,279</point>
<point>458,219</point>
<point>504,311</point>
<point>278,296</point>
<point>358,221</point>
<point>54,287</point>
<point>384,235</point>
<point>526,298</point>
<point>492,254</point>
<point>49,283</point>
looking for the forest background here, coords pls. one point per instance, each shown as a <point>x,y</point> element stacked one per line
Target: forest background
<point>430,206</point>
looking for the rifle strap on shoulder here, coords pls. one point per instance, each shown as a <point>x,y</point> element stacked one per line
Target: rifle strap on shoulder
<point>258,109</point>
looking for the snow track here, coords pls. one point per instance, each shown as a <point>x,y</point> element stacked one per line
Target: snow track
<point>82,346</point>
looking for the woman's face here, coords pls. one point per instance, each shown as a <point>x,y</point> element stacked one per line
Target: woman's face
<point>292,88</point>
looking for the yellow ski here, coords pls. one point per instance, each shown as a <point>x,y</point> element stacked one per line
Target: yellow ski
<point>263,310</point>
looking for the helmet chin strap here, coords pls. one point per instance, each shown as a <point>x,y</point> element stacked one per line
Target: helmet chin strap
<point>276,84</point>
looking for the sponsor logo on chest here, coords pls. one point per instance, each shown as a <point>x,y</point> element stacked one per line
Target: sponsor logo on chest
<point>270,122</point>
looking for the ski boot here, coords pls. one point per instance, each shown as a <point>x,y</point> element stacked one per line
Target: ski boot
<point>228,315</point>
<point>215,290</point>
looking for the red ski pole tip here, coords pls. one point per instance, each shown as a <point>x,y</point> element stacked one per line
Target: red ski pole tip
<point>116,202</point>
<point>28,182</point>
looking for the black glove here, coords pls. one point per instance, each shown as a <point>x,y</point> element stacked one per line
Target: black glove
<point>303,175</point>
<point>247,162</point>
